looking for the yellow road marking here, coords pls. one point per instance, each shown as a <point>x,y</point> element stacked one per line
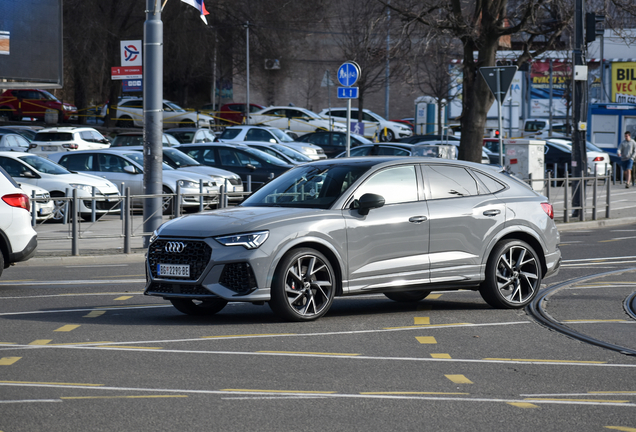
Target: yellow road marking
<point>67,328</point>
<point>51,383</point>
<point>621,428</point>
<point>41,342</point>
<point>80,343</point>
<point>123,397</point>
<point>426,339</point>
<point>128,346</point>
<point>313,353</point>
<point>523,404</point>
<point>441,356</point>
<point>579,400</point>
<point>433,296</point>
<point>123,298</point>
<point>412,393</point>
<point>94,314</point>
<point>249,335</point>
<point>545,361</point>
<point>459,379</point>
<point>427,325</point>
<point>6,361</point>
<point>8,343</point>
<point>279,391</point>
<point>421,320</point>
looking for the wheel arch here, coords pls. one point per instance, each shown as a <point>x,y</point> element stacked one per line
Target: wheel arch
<point>5,249</point>
<point>532,241</point>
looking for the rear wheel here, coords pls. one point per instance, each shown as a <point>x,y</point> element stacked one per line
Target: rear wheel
<point>198,307</point>
<point>407,296</point>
<point>304,286</point>
<point>389,137</point>
<point>513,275</point>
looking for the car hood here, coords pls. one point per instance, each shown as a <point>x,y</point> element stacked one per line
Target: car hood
<point>236,220</point>
<point>87,179</point>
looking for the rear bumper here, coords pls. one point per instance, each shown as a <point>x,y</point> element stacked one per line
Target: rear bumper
<point>25,253</point>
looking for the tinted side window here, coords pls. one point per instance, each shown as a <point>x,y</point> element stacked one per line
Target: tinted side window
<point>13,167</point>
<point>450,182</point>
<point>230,133</point>
<point>393,151</point>
<point>396,185</point>
<point>77,162</point>
<point>490,183</point>
<point>258,135</point>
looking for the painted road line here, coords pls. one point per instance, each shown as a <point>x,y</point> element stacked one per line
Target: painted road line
<point>8,361</point>
<point>621,428</point>
<point>136,347</point>
<point>29,401</point>
<point>279,391</point>
<point>433,296</point>
<point>248,335</point>
<point>41,342</point>
<point>426,339</point>
<point>106,308</point>
<point>523,405</point>
<point>429,326</point>
<point>122,298</point>
<point>598,401</point>
<point>95,314</point>
<point>309,353</point>
<point>76,282</point>
<point>459,379</point>
<point>440,356</point>
<point>54,384</point>
<point>544,361</point>
<point>67,328</point>
<point>413,393</point>
<point>122,397</point>
<point>421,320</point>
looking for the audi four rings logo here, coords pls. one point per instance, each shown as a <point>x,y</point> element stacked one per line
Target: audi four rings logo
<point>174,247</point>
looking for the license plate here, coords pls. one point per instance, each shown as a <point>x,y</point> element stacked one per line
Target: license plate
<point>49,148</point>
<point>176,270</point>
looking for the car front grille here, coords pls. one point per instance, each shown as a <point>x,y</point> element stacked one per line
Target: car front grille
<point>238,277</point>
<point>236,182</point>
<point>194,253</point>
<point>170,288</point>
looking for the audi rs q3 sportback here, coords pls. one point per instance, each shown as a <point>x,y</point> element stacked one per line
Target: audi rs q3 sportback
<point>338,227</point>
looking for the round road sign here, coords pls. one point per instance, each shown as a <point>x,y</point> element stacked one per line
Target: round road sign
<point>348,74</point>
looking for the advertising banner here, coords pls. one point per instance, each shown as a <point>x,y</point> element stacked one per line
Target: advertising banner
<point>540,88</point>
<point>624,82</point>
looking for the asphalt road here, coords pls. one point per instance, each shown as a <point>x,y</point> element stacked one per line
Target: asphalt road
<point>82,349</point>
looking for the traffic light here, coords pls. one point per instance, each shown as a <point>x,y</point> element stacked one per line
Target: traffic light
<point>590,26</point>
<point>497,133</point>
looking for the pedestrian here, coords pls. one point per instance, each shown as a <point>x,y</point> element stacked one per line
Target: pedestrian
<point>627,152</point>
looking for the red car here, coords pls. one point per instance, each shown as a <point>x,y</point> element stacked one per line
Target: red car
<point>16,104</point>
<point>231,113</point>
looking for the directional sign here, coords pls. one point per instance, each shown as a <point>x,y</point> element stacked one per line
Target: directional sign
<point>126,72</point>
<point>503,74</point>
<point>131,53</point>
<point>347,92</point>
<point>348,74</point>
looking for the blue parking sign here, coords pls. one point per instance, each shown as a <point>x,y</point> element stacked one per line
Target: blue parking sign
<point>348,74</point>
<point>357,128</point>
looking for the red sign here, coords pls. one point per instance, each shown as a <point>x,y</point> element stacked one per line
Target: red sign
<point>126,72</point>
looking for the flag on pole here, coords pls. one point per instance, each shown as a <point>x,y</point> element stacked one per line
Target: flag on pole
<point>200,6</point>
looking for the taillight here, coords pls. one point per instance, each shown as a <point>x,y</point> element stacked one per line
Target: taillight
<point>70,146</point>
<point>18,200</point>
<point>598,159</point>
<point>547,208</point>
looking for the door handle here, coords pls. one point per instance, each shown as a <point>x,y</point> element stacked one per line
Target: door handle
<point>418,219</point>
<point>492,212</point>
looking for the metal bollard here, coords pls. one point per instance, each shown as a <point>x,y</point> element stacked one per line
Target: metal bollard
<point>177,203</point>
<point>66,206</point>
<point>127,224</point>
<point>94,206</point>
<point>566,199</point>
<point>222,196</point>
<point>75,237</point>
<point>201,207</point>
<point>249,183</point>
<point>33,210</point>
<point>122,192</point>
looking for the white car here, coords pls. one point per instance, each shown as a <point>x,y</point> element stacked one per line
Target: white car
<point>598,161</point>
<point>124,166</point>
<point>53,140</point>
<point>270,134</point>
<point>374,124</point>
<point>41,203</point>
<point>297,120</point>
<point>18,239</point>
<point>31,169</point>
<point>130,112</point>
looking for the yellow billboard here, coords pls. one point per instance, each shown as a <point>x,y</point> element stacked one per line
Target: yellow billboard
<point>624,82</point>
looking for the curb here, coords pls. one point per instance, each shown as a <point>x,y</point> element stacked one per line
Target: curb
<point>573,226</point>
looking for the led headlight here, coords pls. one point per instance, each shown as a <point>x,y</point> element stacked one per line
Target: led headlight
<point>85,188</point>
<point>188,184</point>
<point>247,240</point>
<point>153,237</point>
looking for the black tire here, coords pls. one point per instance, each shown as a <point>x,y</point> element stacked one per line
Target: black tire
<point>390,136</point>
<point>198,307</point>
<point>8,113</point>
<point>407,296</point>
<point>167,203</point>
<point>513,275</point>
<point>125,122</point>
<point>304,286</point>
<point>1,262</point>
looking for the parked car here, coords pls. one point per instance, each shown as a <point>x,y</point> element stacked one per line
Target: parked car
<point>180,161</point>
<point>130,113</point>
<point>297,120</point>
<point>334,143</point>
<point>282,152</point>
<point>598,161</point>
<point>270,134</point>
<point>125,139</point>
<point>192,135</point>
<point>540,129</point>
<point>53,140</point>
<point>377,149</point>
<point>415,139</point>
<point>33,103</point>
<point>27,132</point>
<point>31,169</point>
<point>123,166</point>
<point>13,142</point>
<point>374,124</point>
<point>18,239</point>
<point>407,121</point>
<point>341,227</point>
<point>43,206</point>
<point>239,159</point>
<point>231,113</point>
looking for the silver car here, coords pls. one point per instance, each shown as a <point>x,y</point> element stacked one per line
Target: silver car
<point>392,225</point>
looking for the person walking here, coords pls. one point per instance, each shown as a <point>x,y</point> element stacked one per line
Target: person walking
<point>627,152</point>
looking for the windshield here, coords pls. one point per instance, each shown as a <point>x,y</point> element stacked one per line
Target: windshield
<point>308,186</point>
<point>48,95</point>
<point>178,158</point>
<point>292,154</point>
<point>53,136</point>
<point>43,165</point>
<point>282,136</point>
<point>138,157</point>
<point>265,156</point>
<point>174,106</point>
<point>592,147</point>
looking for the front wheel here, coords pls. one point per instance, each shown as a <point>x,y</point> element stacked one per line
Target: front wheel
<point>304,286</point>
<point>407,296</point>
<point>198,307</point>
<point>389,137</point>
<point>513,275</point>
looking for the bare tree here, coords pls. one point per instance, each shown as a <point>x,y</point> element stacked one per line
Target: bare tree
<point>536,24</point>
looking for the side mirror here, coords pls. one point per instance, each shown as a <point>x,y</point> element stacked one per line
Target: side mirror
<point>369,201</point>
<point>130,169</point>
<point>250,166</point>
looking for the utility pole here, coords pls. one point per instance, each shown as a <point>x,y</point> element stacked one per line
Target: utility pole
<point>153,116</point>
<point>579,109</point>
